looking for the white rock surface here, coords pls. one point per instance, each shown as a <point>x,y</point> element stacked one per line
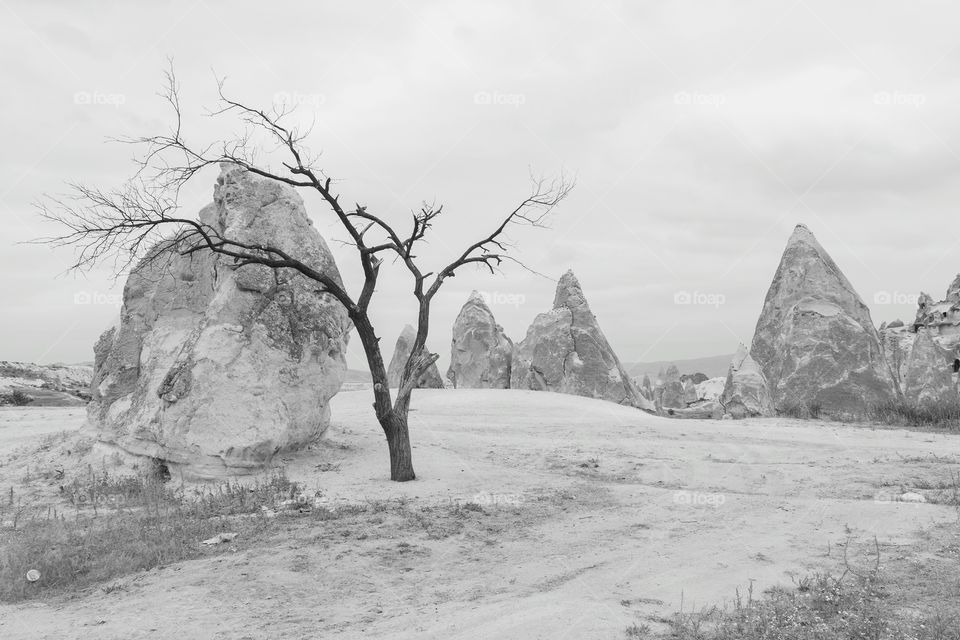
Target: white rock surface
<point>745,391</point>
<point>480,351</point>
<point>216,369</point>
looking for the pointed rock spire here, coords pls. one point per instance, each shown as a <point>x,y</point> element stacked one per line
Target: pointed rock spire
<point>429,379</point>
<point>480,352</point>
<point>815,341</point>
<point>745,392</point>
<point>565,351</point>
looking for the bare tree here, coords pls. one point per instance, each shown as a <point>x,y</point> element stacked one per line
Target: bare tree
<point>141,219</point>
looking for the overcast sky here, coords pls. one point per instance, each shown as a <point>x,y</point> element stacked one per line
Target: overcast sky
<point>699,133</point>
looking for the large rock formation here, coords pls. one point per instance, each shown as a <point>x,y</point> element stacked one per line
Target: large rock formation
<point>815,341</point>
<point>929,378</point>
<point>480,352</point>
<point>745,392</point>
<point>429,379</point>
<point>216,368</point>
<point>565,351</point>
<point>925,355</point>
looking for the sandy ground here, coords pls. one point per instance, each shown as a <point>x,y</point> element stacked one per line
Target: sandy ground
<point>593,517</point>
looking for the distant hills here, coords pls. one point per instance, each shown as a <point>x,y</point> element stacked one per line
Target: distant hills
<point>712,366</point>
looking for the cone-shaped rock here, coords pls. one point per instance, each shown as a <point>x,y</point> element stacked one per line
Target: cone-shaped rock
<point>929,373</point>
<point>745,392</point>
<point>215,368</point>
<point>565,351</point>
<point>815,341</point>
<point>646,388</point>
<point>429,379</point>
<point>480,352</point>
<point>672,394</point>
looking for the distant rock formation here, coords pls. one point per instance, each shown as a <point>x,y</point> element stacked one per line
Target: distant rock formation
<point>646,388</point>
<point>925,355</point>
<point>671,396</point>
<point>480,352</point>
<point>215,368</point>
<point>46,385</point>
<point>711,388</point>
<point>745,392</point>
<point>565,351</point>
<point>814,340</point>
<point>429,379</point>
<point>689,391</point>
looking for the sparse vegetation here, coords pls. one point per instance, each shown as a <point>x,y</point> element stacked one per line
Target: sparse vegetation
<point>16,398</point>
<point>802,411</point>
<point>822,606</point>
<point>111,525</point>
<point>851,605</point>
<point>902,413</point>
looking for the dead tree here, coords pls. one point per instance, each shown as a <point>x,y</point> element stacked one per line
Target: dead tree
<point>141,219</point>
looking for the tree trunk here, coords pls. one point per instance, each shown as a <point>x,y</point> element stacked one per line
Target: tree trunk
<point>398,441</point>
<point>392,420</point>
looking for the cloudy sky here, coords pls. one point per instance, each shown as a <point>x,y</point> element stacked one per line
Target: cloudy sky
<point>699,133</point>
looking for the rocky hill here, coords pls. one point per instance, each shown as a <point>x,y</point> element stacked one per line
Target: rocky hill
<point>51,385</point>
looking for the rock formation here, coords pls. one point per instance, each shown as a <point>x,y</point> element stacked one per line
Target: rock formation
<point>646,388</point>
<point>689,391</point>
<point>925,355</point>
<point>928,378</point>
<point>671,396</point>
<point>815,341</point>
<point>711,389</point>
<point>47,385</point>
<point>429,379</point>
<point>215,368</point>
<point>565,351</point>
<point>480,352</point>
<point>745,392</point>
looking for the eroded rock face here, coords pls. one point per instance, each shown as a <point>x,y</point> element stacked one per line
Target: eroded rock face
<point>745,392</point>
<point>429,379</point>
<point>672,393</point>
<point>815,341</point>
<point>689,391</point>
<point>928,377</point>
<point>215,368</point>
<point>565,351</point>
<point>480,352</point>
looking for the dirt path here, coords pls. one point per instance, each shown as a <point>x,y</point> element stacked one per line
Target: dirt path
<point>593,516</point>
